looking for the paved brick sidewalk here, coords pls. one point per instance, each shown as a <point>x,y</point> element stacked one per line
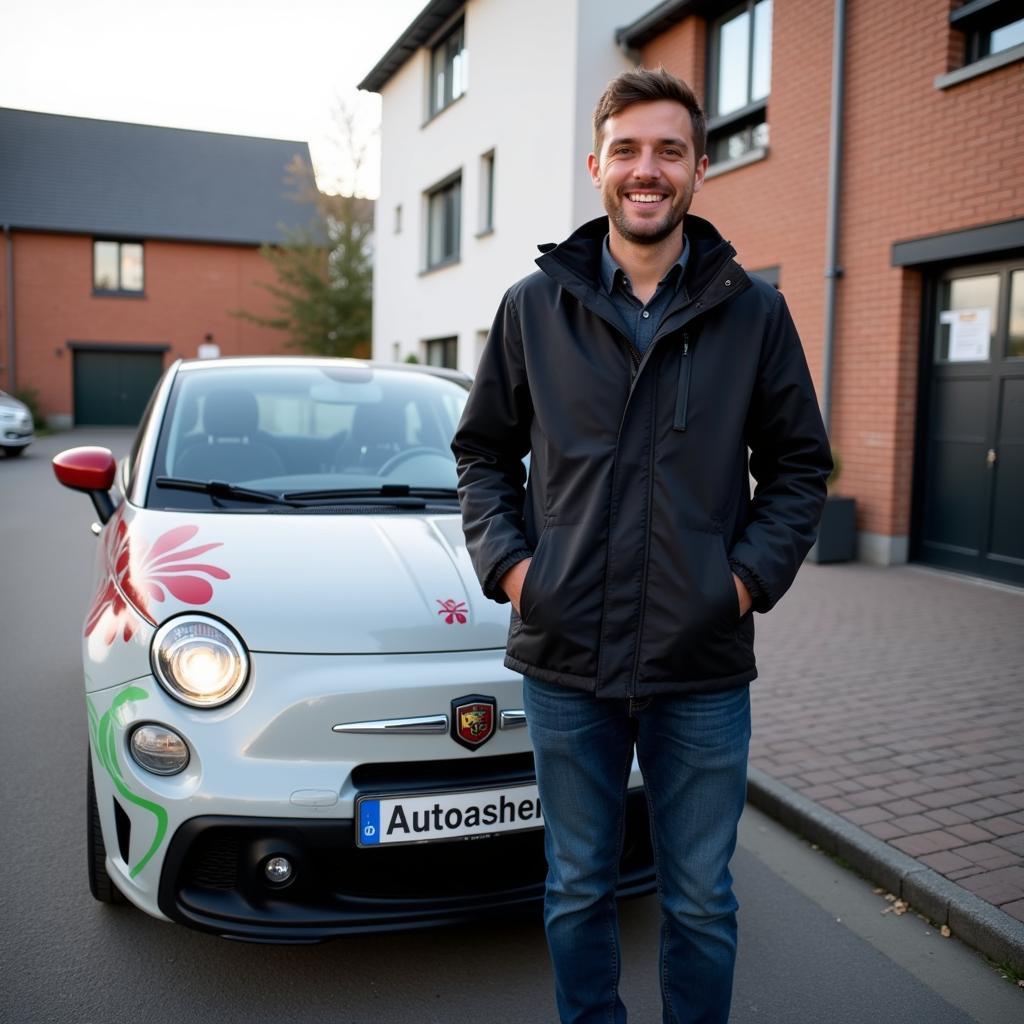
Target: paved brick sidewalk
<point>895,698</point>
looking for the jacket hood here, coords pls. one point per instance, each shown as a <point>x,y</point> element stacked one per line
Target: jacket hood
<point>580,253</point>
<point>311,583</point>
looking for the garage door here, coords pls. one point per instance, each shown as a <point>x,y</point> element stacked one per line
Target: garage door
<point>113,386</point>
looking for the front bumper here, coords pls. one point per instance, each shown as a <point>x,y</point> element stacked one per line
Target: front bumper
<point>15,437</point>
<point>213,877</point>
<point>268,774</point>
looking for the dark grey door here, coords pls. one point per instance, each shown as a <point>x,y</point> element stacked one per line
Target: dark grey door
<point>112,386</point>
<point>971,510</point>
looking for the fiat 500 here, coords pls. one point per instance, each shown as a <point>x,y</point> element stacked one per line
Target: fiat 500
<point>300,722</point>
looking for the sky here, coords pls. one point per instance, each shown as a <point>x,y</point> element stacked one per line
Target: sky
<point>274,68</point>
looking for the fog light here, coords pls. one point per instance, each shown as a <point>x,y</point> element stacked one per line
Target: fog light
<point>278,870</point>
<point>159,750</point>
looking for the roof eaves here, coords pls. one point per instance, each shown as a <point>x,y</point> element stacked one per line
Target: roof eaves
<point>656,21</point>
<point>419,32</point>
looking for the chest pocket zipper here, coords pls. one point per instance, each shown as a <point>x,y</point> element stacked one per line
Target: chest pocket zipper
<point>683,391</point>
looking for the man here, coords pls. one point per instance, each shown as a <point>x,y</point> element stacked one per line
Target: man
<point>637,366</point>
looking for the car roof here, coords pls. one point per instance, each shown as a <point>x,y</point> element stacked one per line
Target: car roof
<point>253,362</point>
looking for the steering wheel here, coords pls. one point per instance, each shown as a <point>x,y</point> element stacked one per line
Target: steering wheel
<point>409,453</point>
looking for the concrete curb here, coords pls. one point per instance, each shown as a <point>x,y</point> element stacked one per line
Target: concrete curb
<point>970,919</point>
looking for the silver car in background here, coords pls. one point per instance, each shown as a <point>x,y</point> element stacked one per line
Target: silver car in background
<point>16,432</point>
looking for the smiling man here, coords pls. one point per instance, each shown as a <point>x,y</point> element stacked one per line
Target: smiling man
<point>638,365</point>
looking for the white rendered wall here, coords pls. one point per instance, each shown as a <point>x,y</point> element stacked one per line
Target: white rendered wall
<point>535,70</point>
<point>598,60</point>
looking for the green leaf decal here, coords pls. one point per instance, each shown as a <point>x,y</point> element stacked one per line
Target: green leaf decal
<point>101,732</point>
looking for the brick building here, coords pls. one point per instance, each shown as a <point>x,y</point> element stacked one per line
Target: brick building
<point>127,246</point>
<point>926,396</point>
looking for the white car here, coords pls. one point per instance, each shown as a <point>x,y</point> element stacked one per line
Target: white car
<point>300,719</point>
<point>16,430</point>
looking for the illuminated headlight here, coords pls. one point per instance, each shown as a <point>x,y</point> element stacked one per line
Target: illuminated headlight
<point>158,749</point>
<point>199,661</point>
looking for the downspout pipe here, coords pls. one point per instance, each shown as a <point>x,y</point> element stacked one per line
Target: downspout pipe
<point>9,289</point>
<point>835,155</point>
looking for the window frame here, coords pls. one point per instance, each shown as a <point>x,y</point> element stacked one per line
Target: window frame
<point>486,205</point>
<point>435,104</point>
<point>754,112</point>
<point>119,291</point>
<point>448,184</point>
<point>973,22</point>
<point>450,348</point>
<point>977,20</point>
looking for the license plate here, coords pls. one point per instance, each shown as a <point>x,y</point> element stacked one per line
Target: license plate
<point>428,817</point>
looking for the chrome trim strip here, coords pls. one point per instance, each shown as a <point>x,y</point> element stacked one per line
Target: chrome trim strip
<point>423,724</point>
<point>512,720</point>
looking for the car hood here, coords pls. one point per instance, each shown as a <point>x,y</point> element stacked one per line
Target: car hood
<point>6,402</point>
<point>308,583</point>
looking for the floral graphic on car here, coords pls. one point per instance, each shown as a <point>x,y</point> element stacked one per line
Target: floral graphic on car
<point>141,575</point>
<point>453,611</point>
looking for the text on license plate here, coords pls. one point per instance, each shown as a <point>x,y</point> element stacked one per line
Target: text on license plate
<point>413,819</point>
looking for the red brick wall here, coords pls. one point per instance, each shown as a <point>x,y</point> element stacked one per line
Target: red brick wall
<point>917,161</point>
<point>190,292</point>
<point>5,384</point>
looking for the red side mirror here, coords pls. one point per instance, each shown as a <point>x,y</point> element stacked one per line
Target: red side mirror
<point>86,469</point>
<point>91,470</point>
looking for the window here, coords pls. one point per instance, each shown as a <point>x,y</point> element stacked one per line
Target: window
<point>442,352</point>
<point>989,27</point>
<point>444,218</point>
<point>739,81</point>
<point>486,193</point>
<point>117,267</point>
<point>398,219</point>
<point>448,67</point>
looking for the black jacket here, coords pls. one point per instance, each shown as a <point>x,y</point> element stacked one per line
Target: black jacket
<point>638,501</point>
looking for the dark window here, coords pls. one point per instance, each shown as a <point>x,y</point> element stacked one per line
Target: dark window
<point>487,192</point>
<point>117,267</point>
<point>444,223</point>
<point>443,352</point>
<point>448,66</point>
<point>988,26</point>
<point>739,80</point>
<point>398,219</point>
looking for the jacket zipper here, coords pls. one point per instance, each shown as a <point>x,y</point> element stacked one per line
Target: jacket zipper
<point>683,392</point>
<point>647,548</point>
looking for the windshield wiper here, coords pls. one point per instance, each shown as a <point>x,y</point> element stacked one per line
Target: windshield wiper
<point>222,489</point>
<point>384,491</point>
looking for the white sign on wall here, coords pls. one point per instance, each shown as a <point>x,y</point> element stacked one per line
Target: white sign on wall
<point>969,334</point>
<point>207,350</point>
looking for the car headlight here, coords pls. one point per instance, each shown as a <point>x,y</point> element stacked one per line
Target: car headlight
<point>199,661</point>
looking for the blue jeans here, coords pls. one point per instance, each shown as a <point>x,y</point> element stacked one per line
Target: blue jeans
<point>692,751</point>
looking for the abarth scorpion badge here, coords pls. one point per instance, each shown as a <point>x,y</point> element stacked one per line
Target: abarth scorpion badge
<point>473,718</point>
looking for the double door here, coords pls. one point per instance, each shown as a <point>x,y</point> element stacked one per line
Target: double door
<point>970,507</point>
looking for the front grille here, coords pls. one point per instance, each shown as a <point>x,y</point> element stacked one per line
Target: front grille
<point>464,772</point>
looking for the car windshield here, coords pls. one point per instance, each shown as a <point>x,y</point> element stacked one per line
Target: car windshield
<point>312,433</point>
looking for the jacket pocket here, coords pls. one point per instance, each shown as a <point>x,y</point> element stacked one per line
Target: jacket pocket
<point>683,388</point>
<point>532,572</point>
<point>730,582</point>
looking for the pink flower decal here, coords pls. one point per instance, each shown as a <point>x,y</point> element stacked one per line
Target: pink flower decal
<point>453,611</point>
<point>146,575</point>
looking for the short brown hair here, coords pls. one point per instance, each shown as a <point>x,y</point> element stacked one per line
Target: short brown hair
<point>641,85</point>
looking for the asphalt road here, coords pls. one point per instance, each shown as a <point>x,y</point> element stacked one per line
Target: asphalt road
<point>815,947</point>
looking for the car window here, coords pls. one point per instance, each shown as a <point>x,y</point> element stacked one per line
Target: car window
<point>297,428</point>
